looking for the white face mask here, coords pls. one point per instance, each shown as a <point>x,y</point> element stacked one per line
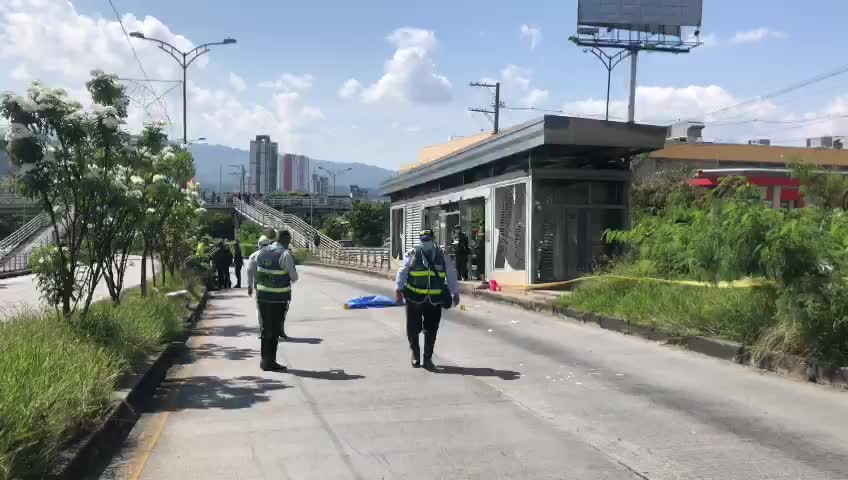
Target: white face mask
<point>428,246</point>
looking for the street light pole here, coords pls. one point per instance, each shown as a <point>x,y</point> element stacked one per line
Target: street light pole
<point>184,62</point>
<point>333,174</point>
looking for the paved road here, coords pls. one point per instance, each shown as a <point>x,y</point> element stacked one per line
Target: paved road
<point>519,395</point>
<point>22,292</point>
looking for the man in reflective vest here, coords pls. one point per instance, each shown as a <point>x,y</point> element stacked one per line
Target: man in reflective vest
<point>428,283</point>
<point>275,274</point>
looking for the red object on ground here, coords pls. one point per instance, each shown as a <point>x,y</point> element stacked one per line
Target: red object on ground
<point>493,285</point>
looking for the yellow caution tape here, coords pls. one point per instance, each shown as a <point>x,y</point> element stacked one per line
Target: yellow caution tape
<point>746,283</point>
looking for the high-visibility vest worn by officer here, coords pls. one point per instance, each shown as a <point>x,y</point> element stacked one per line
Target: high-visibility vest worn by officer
<point>273,284</point>
<point>426,282</point>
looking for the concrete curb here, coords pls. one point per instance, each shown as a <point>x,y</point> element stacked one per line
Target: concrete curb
<point>95,447</point>
<point>14,273</point>
<point>788,365</point>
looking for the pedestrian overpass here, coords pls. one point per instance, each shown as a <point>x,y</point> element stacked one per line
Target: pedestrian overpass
<point>305,236</point>
<point>17,248</point>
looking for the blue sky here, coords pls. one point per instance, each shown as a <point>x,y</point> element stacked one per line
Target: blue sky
<point>306,51</point>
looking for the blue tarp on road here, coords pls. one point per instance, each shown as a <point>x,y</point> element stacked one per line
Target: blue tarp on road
<point>371,301</point>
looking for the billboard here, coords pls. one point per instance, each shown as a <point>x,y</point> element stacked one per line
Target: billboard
<point>640,15</point>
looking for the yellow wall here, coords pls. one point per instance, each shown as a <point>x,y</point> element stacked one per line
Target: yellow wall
<point>719,152</point>
<point>434,152</point>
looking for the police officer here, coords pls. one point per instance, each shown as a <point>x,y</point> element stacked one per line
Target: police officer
<point>461,250</point>
<point>428,283</point>
<point>274,274</point>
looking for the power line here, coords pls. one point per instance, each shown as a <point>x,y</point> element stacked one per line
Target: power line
<point>782,91</point>
<point>138,60</point>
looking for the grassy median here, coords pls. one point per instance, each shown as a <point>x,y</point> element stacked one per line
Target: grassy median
<point>739,314</point>
<point>57,376</point>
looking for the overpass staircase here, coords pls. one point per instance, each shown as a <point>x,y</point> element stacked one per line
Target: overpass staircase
<point>304,236</point>
<point>16,249</point>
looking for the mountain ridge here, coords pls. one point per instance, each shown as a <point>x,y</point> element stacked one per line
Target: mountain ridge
<point>214,160</point>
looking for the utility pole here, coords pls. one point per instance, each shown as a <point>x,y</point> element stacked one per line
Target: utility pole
<point>495,112</point>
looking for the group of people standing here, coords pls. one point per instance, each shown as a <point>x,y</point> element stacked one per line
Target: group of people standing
<point>223,259</point>
<point>426,282</point>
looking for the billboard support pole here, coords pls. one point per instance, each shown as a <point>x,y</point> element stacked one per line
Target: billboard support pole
<point>631,108</point>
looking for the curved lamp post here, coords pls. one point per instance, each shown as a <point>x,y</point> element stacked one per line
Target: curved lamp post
<point>184,59</point>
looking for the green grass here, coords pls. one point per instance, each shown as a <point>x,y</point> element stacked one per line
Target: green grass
<point>56,377</point>
<point>739,314</point>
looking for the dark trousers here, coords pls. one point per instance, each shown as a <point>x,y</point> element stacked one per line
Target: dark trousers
<point>223,277</point>
<point>283,314</point>
<point>269,327</point>
<point>462,267</point>
<point>422,316</point>
<point>238,275</point>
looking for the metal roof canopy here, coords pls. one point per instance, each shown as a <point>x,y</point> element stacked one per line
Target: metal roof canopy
<point>598,139</point>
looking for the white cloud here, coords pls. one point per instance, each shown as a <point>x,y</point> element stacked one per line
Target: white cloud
<point>51,41</point>
<point>286,117</point>
<point>20,73</point>
<point>350,89</point>
<point>289,82</point>
<point>237,82</point>
<point>710,40</point>
<point>535,98</point>
<point>756,35</point>
<point>410,75</point>
<point>517,89</point>
<point>50,38</point>
<point>663,105</point>
<point>533,34</point>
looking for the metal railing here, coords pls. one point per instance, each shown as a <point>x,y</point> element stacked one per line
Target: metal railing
<point>20,235</point>
<point>368,258</point>
<point>341,203</point>
<point>15,263</point>
<point>303,236</point>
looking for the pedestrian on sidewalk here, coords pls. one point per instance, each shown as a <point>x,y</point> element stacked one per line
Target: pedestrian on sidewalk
<point>222,259</point>
<point>238,262</point>
<point>428,283</point>
<point>272,272</point>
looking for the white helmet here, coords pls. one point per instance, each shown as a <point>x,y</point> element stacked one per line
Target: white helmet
<point>264,241</point>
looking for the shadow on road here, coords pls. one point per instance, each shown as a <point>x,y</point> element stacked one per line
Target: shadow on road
<point>215,315</point>
<point>332,374</point>
<point>308,340</point>
<point>215,392</point>
<point>227,331</point>
<point>477,372</point>
<point>213,350</point>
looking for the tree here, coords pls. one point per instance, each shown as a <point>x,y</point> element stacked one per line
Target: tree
<point>369,222</point>
<point>335,227</point>
<point>69,157</point>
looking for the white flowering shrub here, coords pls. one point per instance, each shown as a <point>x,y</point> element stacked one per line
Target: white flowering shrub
<point>101,187</point>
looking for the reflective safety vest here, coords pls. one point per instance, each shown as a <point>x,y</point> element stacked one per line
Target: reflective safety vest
<point>273,284</point>
<point>426,282</point>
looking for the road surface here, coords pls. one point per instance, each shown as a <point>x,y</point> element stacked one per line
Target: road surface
<point>519,395</point>
<point>22,292</point>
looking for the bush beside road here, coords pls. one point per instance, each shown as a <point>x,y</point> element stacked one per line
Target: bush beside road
<point>57,376</point>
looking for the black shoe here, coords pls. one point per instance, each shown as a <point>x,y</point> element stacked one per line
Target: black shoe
<point>428,364</point>
<point>284,336</point>
<point>272,366</point>
<point>416,361</point>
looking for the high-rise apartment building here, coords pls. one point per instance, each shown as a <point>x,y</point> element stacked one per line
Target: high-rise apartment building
<point>295,173</point>
<point>263,165</point>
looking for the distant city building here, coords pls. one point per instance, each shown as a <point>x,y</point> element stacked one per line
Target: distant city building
<point>357,193</point>
<point>263,165</point>
<point>295,173</point>
<point>320,184</point>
